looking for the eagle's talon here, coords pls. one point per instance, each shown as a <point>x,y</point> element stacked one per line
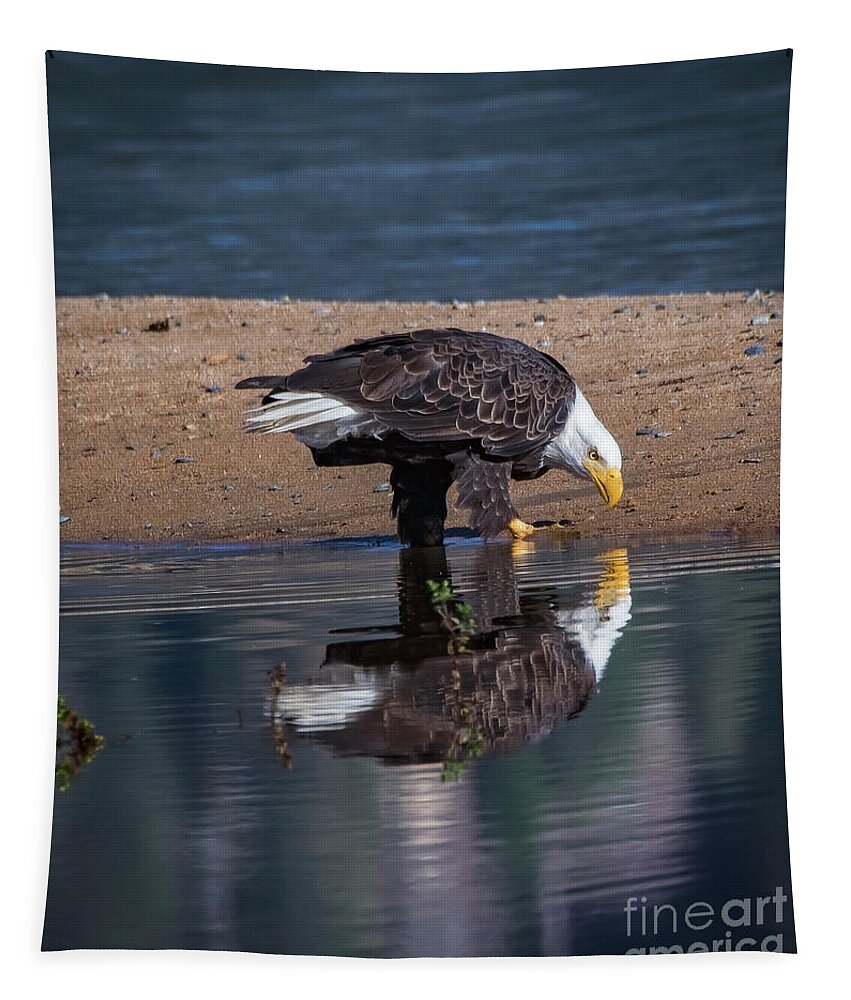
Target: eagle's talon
<point>520,529</point>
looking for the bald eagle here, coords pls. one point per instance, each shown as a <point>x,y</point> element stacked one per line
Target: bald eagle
<point>443,406</point>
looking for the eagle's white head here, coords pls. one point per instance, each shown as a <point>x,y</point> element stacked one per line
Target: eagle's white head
<point>586,448</point>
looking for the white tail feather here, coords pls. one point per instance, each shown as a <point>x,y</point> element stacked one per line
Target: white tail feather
<point>320,419</point>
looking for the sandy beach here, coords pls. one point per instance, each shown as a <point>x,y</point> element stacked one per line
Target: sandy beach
<point>152,448</point>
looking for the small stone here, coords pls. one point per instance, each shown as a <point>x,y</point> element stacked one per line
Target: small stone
<point>190,427</point>
<point>757,349</point>
<point>228,487</point>
<point>381,488</point>
<point>147,525</point>
<point>750,461</point>
<point>156,453</point>
<point>725,437</point>
<point>659,305</point>
<point>662,434</point>
<point>622,309</point>
<point>130,447</point>
<point>777,315</point>
<point>645,432</point>
<point>275,488</point>
<point>183,460</point>
<point>520,325</point>
<point>122,330</point>
<point>642,371</point>
<point>242,356</point>
<point>760,320</point>
<point>159,325</point>
<point>212,389</point>
<point>540,318</point>
<point>64,518</point>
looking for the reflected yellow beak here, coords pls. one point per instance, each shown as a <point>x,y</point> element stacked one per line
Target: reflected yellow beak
<point>614,583</point>
<point>608,481</point>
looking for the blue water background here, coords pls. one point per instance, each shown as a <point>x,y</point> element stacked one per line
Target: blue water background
<point>192,179</point>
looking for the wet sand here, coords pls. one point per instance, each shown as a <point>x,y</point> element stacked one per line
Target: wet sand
<point>152,448</point>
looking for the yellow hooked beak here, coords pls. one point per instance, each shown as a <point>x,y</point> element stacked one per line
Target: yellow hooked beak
<point>608,481</point>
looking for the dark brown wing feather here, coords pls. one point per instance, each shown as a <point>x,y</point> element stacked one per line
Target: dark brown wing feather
<point>449,385</point>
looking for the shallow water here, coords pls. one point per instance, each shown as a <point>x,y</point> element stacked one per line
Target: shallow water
<point>301,758</point>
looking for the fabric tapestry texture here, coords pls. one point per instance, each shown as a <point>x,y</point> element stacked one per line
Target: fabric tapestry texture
<point>419,473</point>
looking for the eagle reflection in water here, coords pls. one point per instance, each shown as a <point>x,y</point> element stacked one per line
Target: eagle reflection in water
<point>532,661</point>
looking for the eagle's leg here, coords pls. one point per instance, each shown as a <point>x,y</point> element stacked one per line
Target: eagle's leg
<point>483,489</point>
<point>419,500</point>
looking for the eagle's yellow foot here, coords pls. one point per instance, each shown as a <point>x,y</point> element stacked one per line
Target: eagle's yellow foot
<point>520,529</point>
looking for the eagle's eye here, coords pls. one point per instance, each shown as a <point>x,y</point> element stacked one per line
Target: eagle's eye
<point>594,455</point>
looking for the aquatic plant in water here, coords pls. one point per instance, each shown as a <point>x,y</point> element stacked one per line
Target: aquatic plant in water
<point>455,615</point>
<point>277,679</point>
<point>76,741</point>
